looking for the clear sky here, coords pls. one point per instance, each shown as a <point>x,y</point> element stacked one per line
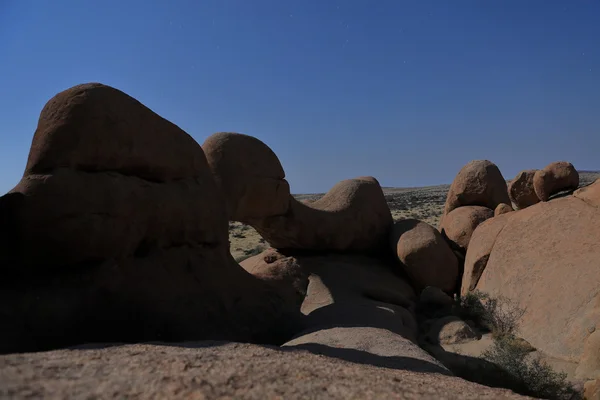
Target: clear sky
<point>406,91</point>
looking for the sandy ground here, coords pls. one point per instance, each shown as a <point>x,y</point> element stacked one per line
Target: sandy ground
<point>422,203</point>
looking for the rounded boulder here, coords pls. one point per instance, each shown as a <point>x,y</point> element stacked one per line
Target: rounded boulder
<point>425,255</point>
<point>249,174</point>
<point>554,178</point>
<point>459,224</point>
<point>478,183</point>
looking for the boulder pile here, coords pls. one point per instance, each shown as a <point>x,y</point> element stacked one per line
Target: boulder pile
<point>118,232</point>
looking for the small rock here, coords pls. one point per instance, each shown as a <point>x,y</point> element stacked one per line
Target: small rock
<point>450,330</point>
<point>502,208</point>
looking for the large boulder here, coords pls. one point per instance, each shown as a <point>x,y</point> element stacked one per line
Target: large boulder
<point>424,255</point>
<point>478,183</point>
<point>545,258</point>
<point>554,178</point>
<point>521,191</point>
<point>118,232</point>
<point>249,174</point>
<point>459,224</point>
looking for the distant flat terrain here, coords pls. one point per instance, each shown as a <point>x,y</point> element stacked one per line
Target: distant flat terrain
<point>422,203</point>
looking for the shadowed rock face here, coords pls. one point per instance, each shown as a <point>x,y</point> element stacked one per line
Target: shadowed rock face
<point>352,216</point>
<point>118,231</point>
<point>344,290</point>
<point>99,184</point>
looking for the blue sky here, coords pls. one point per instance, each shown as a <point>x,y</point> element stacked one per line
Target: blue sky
<point>406,91</point>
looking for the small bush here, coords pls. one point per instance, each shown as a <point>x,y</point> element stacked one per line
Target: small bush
<point>529,377</point>
<point>524,375</point>
<point>499,315</point>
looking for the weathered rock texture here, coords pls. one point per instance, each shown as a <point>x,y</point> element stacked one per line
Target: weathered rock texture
<point>352,216</point>
<point>210,370</point>
<point>424,255</point>
<point>554,178</point>
<point>521,191</point>
<point>478,183</point>
<point>546,259</point>
<point>459,224</point>
<point>118,232</point>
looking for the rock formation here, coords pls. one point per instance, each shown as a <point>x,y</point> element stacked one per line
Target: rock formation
<point>477,190</point>
<point>545,258</point>
<point>521,191</point>
<point>118,232</point>
<point>113,238</point>
<point>554,178</point>
<point>352,216</point>
<point>479,183</point>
